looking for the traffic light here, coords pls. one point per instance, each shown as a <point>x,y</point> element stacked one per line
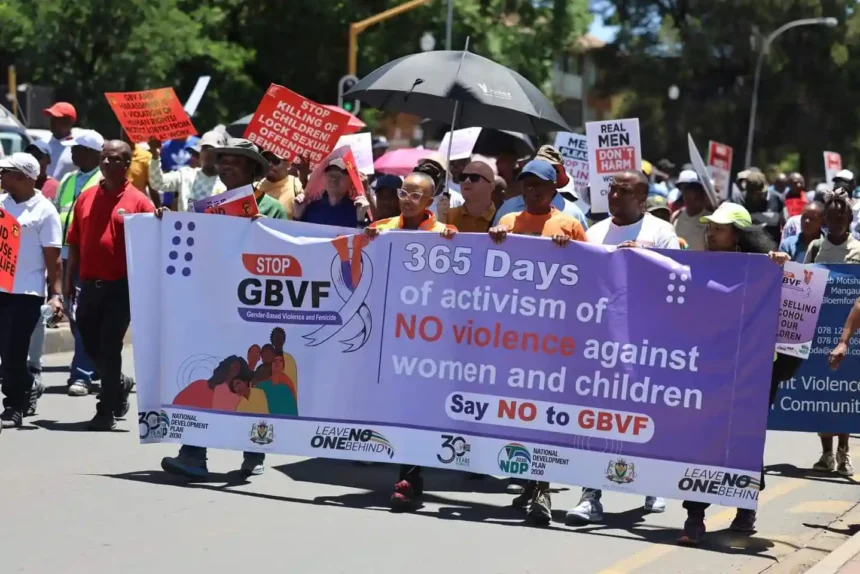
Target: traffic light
<point>343,86</point>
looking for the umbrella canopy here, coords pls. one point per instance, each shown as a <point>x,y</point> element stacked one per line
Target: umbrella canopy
<point>490,95</point>
<point>491,142</point>
<point>354,125</point>
<point>401,161</point>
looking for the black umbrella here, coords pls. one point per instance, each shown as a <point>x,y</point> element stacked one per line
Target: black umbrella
<point>491,142</point>
<point>490,95</point>
<point>237,128</point>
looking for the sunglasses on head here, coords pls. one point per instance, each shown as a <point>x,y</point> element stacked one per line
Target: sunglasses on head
<point>473,177</point>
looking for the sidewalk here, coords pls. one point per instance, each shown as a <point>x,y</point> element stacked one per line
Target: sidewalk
<point>60,340</point>
<point>843,560</point>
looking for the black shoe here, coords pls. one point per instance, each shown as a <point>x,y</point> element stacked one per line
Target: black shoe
<point>102,422</point>
<point>11,418</point>
<point>125,391</point>
<point>540,507</point>
<point>35,394</point>
<point>525,498</point>
<point>744,521</point>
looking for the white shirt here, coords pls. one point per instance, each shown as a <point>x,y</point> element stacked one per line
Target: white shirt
<point>40,228</point>
<point>649,231</point>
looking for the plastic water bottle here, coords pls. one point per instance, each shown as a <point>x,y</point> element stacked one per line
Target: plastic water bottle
<point>47,315</point>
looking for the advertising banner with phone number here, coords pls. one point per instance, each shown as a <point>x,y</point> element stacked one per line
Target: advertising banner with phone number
<point>523,359</point>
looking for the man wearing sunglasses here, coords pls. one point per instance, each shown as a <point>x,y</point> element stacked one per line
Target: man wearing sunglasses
<point>477,181</point>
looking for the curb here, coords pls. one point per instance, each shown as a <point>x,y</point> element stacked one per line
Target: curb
<point>60,340</point>
<point>831,563</point>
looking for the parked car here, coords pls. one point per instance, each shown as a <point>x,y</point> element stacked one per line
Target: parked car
<point>13,134</point>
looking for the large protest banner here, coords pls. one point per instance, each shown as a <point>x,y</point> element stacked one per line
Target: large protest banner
<point>540,362</point>
<point>817,398</point>
<point>574,150</point>
<point>10,244</point>
<point>613,147</point>
<point>292,126</point>
<point>151,114</point>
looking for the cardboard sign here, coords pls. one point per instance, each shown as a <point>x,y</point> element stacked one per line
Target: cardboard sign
<point>803,289</point>
<point>316,181</point>
<point>240,202</point>
<point>292,126</point>
<point>151,114</point>
<point>10,244</point>
<point>832,165</point>
<point>574,150</point>
<point>362,149</point>
<point>462,143</point>
<point>702,171</point>
<point>720,167</point>
<point>613,147</point>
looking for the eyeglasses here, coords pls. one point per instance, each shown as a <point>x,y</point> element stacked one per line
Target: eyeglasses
<point>473,177</point>
<point>413,196</point>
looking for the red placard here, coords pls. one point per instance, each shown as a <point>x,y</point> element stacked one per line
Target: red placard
<point>316,181</point>
<point>241,207</point>
<point>720,156</point>
<point>151,114</point>
<point>10,243</point>
<point>292,126</point>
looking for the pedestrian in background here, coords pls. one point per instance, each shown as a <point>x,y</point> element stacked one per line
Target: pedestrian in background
<point>62,117</point>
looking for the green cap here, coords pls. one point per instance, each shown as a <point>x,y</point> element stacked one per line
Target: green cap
<point>729,214</point>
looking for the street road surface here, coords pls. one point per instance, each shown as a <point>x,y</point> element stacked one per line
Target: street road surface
<point>77,502</point>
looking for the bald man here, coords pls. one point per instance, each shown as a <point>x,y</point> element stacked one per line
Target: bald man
<point>477,181</point>
<point>97,252</point>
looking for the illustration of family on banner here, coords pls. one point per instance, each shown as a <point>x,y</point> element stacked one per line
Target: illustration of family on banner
<point>579,365</point>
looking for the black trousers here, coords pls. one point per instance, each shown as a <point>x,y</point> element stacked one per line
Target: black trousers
<point>103,316</point>
<point>18,317</point>
<point>784,368</point>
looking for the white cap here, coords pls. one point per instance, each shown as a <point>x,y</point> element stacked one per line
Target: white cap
<point>87,138</point>
<point>23,162</point>
<point>688,176</point>
<point>844,174</point>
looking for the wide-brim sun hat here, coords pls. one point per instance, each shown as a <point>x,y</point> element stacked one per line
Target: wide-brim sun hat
<point>244,148</point>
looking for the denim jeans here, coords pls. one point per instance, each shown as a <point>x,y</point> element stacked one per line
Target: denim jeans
<point>82,367</point>
<point>37,346</point>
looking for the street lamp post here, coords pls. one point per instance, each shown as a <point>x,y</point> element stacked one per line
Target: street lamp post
<point>829,22</point>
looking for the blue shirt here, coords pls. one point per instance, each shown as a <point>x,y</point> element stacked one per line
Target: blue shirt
<point>518,204</point>
<point>322,212</point>
<point>795,247</point>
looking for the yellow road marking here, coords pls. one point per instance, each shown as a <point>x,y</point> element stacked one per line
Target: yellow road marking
<point>715,522</point>
<point>825,506</point>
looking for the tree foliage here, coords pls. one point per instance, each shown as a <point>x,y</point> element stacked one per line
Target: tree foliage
<point>709,50</point>
<point>84,48</point>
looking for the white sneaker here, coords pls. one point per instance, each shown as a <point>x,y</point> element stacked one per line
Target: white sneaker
<point>844,466</point>
<point>79,389</point>
<point>826,463</point>
<point>588,510</point>
<point>655,504</point>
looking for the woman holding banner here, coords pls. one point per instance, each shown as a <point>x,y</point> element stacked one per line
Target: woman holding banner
<point>730,228</point>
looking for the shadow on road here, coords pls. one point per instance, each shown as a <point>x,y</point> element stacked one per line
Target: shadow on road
<point>77,426</point>
<point>377,482</point>
<point>791,471</point>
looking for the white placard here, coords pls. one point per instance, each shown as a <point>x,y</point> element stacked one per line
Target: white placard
<point>362,150</point>
<point>462,143</point>
<point>574,150</point>
<point>832,165</point>
<point>613,147</point>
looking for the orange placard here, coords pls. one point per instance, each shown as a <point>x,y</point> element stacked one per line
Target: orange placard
<point>10,243</point>
<point>151,114</point>
<point>241,207</point>
<point>291,126</point>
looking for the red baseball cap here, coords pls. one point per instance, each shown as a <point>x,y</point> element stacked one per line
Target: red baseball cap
<point>61,110</point>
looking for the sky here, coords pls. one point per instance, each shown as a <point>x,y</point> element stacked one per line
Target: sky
<point>600,30</point>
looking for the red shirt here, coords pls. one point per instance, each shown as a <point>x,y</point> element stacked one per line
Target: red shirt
<point>795,205</point>
<point>98,229</point>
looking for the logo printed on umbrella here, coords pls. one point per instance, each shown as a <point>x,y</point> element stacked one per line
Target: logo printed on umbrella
<point>494,93</point>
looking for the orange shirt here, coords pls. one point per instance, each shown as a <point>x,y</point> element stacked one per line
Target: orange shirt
<point>429,223</point>
<point>547,225</point>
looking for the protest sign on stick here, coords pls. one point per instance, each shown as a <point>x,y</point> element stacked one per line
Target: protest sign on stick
<point>240,202</point>
<point>613,147</point>
<point>316,181</point>
<point>574,150</point>
<point>832,165</point>
<point>151,114</point>
<point>720,167</point>
<point>292,126</point>
<point>362,149</point>
<point>384,347</point>
<point>10,244</point>
<point>462,143</point>
<point>702,171</point>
